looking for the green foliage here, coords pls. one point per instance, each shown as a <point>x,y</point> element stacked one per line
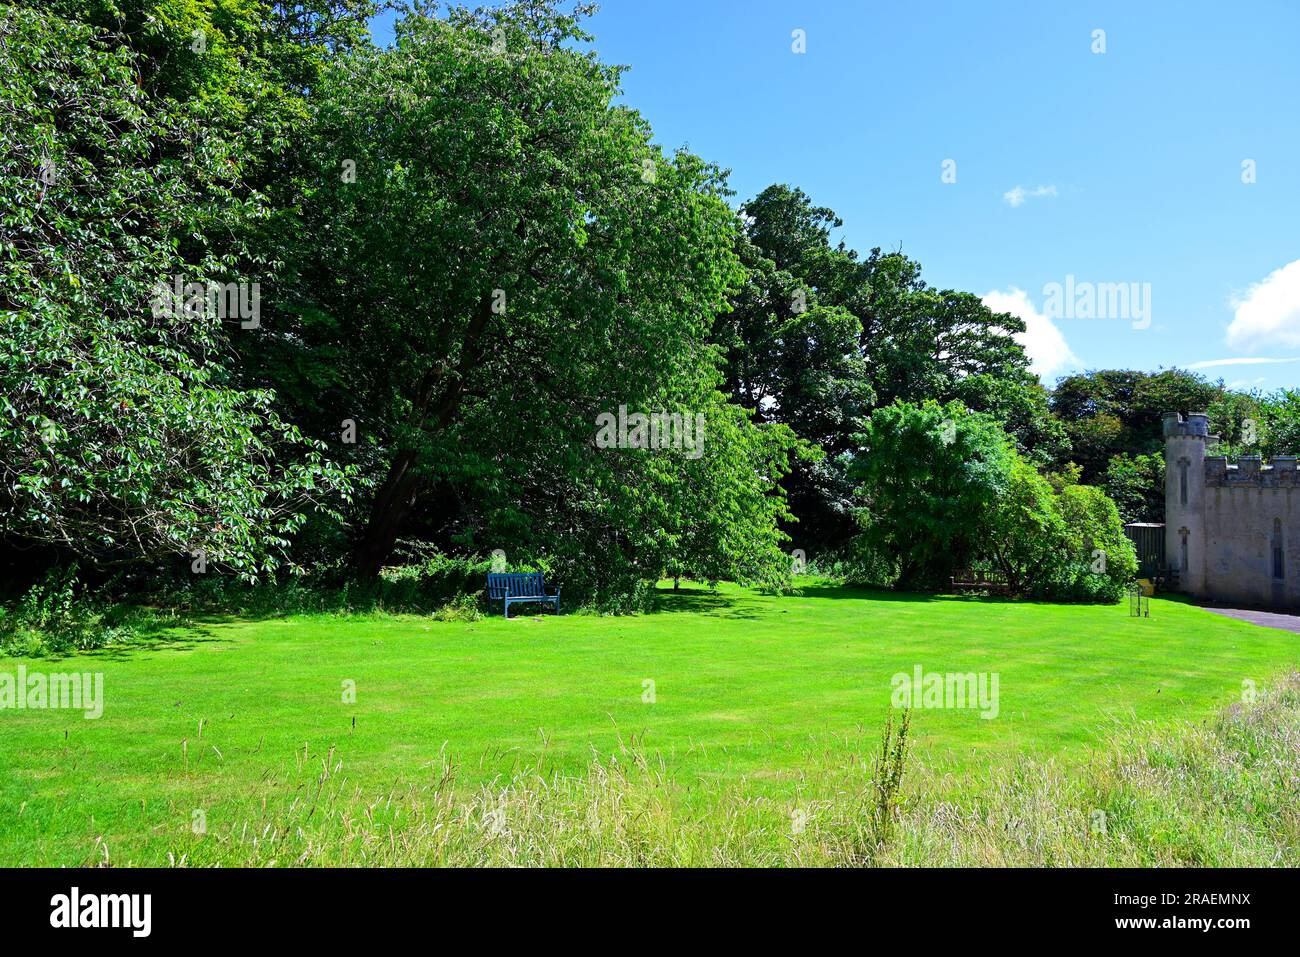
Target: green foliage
<point>422,585</point>
<point>57,616</point>
<point>861,562</point>
<point>122,440</point>
<point>513,258</point>
<point>927,472</point>
<point>1068,546</point>
<point>245,66</point>
<point>469,247</point>
<point>463,608</point>
<point>1114,422</point>
<point>1241,421</point>
<point>1136,483</point>
<point>1018,401</point>
<point>818,336</point>
<point>1096,532</point>
<point>1113,411</point>
<point>1277,425</point>
<point>887,783</point>
<point>1024,535</point>
<point>1062,478</point>
<point>946,489</point>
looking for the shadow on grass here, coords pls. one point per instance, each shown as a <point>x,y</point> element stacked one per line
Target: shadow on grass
<point>147,629</point>
<point>184,630</point>
<point>179,636</point>
<point>859,592</point>
<point>867,593</point>
<point>178,633</point>
<point>701,600</point>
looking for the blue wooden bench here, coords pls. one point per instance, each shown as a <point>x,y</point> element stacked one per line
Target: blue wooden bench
<point>520,587</point>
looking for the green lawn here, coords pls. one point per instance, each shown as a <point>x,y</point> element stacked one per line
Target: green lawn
<point>744,684</point>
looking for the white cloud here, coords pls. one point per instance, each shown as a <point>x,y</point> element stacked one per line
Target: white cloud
<point>1239,361</point>
<point>1049,353</point>
<point>1017,195</point>
<point>1269,313</point>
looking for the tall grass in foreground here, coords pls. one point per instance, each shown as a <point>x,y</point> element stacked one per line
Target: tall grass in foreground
<point>1225,793</point>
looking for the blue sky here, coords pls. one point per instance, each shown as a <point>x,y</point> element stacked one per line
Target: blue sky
<point>1072,167</point>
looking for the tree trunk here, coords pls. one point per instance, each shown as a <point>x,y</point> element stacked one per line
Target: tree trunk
<point>1009,571</point>
<point>387,516</point>
<point>402,486</point>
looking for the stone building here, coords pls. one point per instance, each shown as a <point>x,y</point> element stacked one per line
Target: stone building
<point>1231,528</point>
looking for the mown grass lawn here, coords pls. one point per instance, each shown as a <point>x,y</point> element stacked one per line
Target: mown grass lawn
<point>215,718</point>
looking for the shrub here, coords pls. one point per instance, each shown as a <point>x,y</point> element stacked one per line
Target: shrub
<point>1097,531</point>
<point>1068,547</point>
<point>926,471</point>
<point>57,616</point>
<point>428,585</point>
<point>462,608</point>
<point>1024,535</point>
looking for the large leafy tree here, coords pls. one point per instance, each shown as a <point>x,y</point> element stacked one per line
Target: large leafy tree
<point>1067,546</point>
<point>917,342</point>
<point>1277,423</point>
<point>1136,483</point>
<point>927,472</point>
<point>1114,411</point>
<point>797,362</point>
<point>1022,533</point>
<point>1099,559</point>
<point>1244,422</point>
<point>819,336</point>
<point>1114,421</point>
<point>945,487</point>
<point>488,251</point>
<point>123,438</point>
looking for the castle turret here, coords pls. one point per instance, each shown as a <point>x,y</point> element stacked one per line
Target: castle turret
<point>1185,446</point>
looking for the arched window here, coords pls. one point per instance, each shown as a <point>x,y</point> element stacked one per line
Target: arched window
<point>1183,549</point>
<point>1182,480</point>
<point>1279,565</point>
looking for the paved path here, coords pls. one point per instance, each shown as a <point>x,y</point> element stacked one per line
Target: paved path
<point>1269,619</point>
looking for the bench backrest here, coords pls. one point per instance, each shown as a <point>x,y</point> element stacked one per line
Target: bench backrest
<point>515,584</point>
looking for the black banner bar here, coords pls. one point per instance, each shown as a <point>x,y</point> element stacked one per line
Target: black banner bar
<point>338,906</point>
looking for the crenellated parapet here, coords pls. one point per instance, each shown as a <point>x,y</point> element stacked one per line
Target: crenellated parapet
<point>1197,424</point>
<point>1250,471</point>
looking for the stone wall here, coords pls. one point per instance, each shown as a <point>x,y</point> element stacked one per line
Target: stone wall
<point>1230,516</point>
<point>1239,525</point>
